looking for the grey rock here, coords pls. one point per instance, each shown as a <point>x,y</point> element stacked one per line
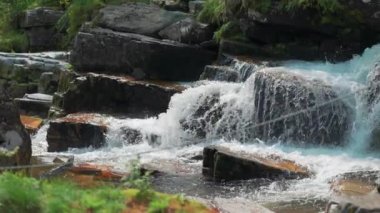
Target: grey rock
<point>15,144</point>
<point>101,50</point>
<point>40,17</point>
<point>188,31</point>
<point>139,18</point>
<point>21,73</point>
<point>48,83</point>
<point>219,73</point>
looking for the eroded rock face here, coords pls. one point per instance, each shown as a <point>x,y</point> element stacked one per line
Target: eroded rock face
<point>112,94</point>
<point>15,144</point>
<point>221,163</point>
<point>107,51</point>
<point>76,131</point>
<point>273,104</point>
<point>139,18</point>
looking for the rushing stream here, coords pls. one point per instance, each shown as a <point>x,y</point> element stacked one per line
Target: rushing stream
<point>227,119</point>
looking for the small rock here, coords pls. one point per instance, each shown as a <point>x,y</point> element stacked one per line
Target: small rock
<point>32,124</point>
<point>132,136</point>
<point>188,31</point>
<point>219,73</point>
<point>223,164</point>
<point>196,6</point>
<point>40,17</point>
<point>34,104</point>
<point>76,131</point>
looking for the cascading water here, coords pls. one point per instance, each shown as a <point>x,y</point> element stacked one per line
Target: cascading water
<point>299,103</point>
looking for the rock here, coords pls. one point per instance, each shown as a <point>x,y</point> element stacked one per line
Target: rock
<point>260,108</point>
<point>310,29</point>
<point>223,164</point>
<point>373,97</point>
<point>139,18</point>
<point>112,94</point>
<point>355,183</point>
<point>21,73</point>
<point>196,6</point>
<point>31,124</point>
<point>48,83</point>
<point>76,131</point>
<point>140,56</point>
<point>279,93</point>
<point>34,104</point>
<point>132,136</point>
<point>40,17</point>
<point>188,31</point>
<point>219,73</point>
<point>233,70</point>
<point>39,25</point>
<point>15,144</point>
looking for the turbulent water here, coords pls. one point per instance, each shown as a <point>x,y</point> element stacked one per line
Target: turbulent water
<point>226,121</point>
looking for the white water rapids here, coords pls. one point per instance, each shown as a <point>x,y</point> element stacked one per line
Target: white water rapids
<point>237,97</point>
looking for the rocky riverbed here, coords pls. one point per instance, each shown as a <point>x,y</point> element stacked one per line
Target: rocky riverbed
<point>241,125</point>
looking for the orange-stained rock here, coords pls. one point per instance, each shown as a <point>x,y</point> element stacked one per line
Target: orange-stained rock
<point>32,124</point>
<point>78,130</point>
<point>99,172</point>
<point>222,163</point>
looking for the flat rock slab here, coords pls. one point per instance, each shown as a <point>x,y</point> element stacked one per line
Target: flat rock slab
<point>139,18</point>
<point>76,131</point>
<point>117,94</point>
<point>222,164</point>
<point>34,104</point>
<point>107,51</point>
<point>355,183</point>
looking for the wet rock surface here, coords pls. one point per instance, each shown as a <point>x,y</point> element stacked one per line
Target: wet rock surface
<point>140,56</point>
<point>113,94</point>
<point>222,164</point>
<point>76,131</point>
<point>15,143</point>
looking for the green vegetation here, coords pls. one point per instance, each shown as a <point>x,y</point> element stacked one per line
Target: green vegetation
<point>22,194</point>
<point>229,30</point>
<point>213,12</point>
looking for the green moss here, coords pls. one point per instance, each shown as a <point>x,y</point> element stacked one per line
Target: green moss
<point>13,41</point>
<point>231,31</point>
<point>213,12</point>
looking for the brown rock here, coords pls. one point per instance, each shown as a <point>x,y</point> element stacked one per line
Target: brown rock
<point>76,131</point>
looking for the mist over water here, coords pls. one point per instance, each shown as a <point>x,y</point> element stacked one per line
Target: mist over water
<point>235,106</point>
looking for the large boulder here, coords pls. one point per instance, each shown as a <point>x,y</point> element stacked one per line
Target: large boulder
<point>15,144</point>
<point>273,104</point>
<point>143,57</point>
<point>21,73</point>
<point>221,163</point>
<point>34,104</point>
<point>39,25</point>
<point>139,18</point>
<point>76,131</point>
<point>334,30</point>
<point>112,94</point>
